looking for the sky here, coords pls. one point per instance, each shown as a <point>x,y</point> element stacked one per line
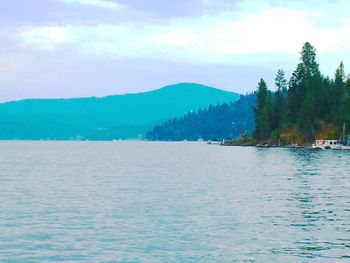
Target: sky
<point>83,48</point>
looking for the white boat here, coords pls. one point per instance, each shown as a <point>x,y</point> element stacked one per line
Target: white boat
<point>342,144</point>
<point>332,144</point>
<point>328,145</point>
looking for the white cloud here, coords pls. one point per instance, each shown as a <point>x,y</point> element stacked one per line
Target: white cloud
<point>96,3</point>
<point>47,37</point>
<point>223,38</point>
<point>275,30</point>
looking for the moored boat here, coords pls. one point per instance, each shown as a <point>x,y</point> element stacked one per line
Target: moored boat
<point>327,145</point>
<point>332,144</point>
<point>342,144</point>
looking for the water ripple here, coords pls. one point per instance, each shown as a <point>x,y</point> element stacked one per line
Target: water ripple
<point>172,202</point>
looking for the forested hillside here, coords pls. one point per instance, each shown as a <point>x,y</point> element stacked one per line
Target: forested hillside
<point>306,107</point>
<point>226,121</point>
<point>113,117</point>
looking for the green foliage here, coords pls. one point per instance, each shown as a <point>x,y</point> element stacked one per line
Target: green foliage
<point>225,121</point>
<point>263,112</point>
<point>308,60</point>
<point>310,103</point>
<point>280,105</point>
<point>295,93</point>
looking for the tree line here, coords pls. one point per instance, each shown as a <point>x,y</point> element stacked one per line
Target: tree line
<point>306,107</point>
<point>225,121</point>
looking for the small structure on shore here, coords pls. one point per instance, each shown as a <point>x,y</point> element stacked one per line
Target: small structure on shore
<point>327,144</point>
<point>342,144</point>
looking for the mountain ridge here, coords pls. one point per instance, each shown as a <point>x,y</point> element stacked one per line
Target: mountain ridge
<point>111,117</point>
<point>167,87</point>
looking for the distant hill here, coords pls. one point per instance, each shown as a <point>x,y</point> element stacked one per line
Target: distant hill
<point>113,117</point>
<point>226,121</point>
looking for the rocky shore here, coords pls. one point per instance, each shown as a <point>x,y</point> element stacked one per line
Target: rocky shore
<point>268,144</point>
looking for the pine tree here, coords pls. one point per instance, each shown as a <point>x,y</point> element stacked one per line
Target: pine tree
<point>295,93</point>
<point>339,76</point>
<point>337,96</point>
<point>280,104</point>
<point>263,112</point>
<point>305,93</point>
<point>308,58</point>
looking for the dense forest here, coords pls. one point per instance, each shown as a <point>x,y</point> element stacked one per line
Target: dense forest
<point>307,107</point>
<point>225,121</point>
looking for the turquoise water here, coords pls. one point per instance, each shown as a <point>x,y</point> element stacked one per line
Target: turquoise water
<point>172,202</point>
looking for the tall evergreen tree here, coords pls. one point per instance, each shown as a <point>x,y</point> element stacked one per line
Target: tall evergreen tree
<point>308,58</point>
<point>263,112</point>
<point>338,96</point>
<point>308,87</point>
<point>280,104</point>
<point>339,76</point>
<point>295,93</point>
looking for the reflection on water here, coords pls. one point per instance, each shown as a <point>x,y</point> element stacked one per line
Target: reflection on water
<point>323,198</point>
<point>172,202</point>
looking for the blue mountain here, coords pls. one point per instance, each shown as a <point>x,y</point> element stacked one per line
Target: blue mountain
<point>113,117</point>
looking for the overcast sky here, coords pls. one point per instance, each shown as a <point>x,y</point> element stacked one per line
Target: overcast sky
<point>78,48</point>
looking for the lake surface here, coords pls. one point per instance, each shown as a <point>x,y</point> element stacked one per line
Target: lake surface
<point>172,202</point>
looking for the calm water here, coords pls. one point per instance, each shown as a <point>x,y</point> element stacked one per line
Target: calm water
<point>172,202</point>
